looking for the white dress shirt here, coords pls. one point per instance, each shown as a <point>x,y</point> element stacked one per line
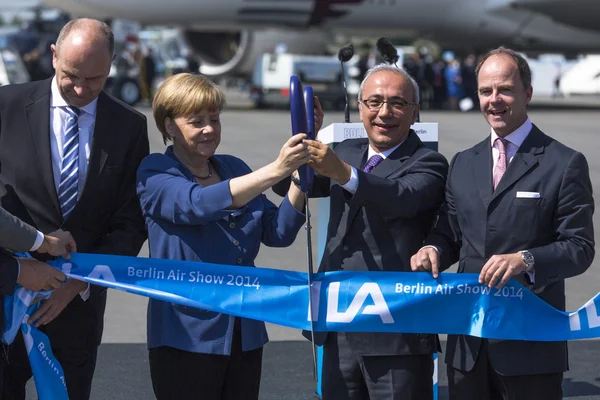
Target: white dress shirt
<point>352,184</point>
<point>85,123</point>
<point>58,121</point>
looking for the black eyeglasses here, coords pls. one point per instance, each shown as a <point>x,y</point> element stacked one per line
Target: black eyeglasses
<point>394,104</point>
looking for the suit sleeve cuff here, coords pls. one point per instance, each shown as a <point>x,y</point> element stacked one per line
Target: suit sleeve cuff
<point>352,184</point>
<point>85,294</point>
<point>38,241</point>
<point>531,277</point>
<point>433,247</point>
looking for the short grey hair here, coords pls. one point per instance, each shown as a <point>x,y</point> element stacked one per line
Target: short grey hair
<point>87,25</point>
<point>396,70</point>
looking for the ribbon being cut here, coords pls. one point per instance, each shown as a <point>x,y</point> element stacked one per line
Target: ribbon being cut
<point>342,301</point>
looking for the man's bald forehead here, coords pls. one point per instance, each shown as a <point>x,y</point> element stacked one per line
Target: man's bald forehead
<point>86,31</point>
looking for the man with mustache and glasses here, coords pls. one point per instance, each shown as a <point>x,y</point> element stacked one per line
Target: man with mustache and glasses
<point>384,195</point>
<point>518,205</point>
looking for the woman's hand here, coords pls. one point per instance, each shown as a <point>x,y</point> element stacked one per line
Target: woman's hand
<point>292,155</point>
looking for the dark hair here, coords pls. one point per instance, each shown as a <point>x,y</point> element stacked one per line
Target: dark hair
<point>520,61</point>
<point>87,24</point>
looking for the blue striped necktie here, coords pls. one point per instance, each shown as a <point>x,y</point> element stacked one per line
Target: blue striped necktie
<point>69,172</point>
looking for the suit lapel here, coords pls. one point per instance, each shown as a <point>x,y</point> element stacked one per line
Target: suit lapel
<point>357,156</point>
<point>394,161</point>
<point>105,129</point>
<point>482,170</point>
<point>38,120</point>
<point>385,168</point>
<point>523,161</point>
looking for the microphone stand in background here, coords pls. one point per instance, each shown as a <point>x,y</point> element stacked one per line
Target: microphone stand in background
<point>389,54</point>
<point>344,55</point>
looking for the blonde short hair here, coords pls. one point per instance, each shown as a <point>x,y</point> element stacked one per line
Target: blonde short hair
<point>182,95</point>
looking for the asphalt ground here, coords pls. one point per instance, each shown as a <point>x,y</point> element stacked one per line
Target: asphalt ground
<point>256,137</point>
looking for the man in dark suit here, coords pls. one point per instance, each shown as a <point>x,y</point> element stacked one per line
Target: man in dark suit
<point>518,205</point>
<point>69,154</point>
<point>384,194</point>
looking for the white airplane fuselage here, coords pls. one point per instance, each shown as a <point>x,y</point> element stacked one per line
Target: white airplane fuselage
<point>458,24</point>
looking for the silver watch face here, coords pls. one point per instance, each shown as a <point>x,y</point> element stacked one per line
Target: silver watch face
<point>528,258</point>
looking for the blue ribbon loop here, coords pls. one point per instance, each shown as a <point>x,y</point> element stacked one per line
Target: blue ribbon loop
<point>48,374</point>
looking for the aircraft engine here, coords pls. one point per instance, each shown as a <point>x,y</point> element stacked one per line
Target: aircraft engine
<point>236,53</point>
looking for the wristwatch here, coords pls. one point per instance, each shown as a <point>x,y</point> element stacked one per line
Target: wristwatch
<point>528,259</point>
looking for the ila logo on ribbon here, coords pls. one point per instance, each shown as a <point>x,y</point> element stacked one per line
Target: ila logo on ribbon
<point>367,290</point>
<point>591,313</point>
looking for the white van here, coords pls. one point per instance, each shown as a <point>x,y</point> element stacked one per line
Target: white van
<point>271,79</point>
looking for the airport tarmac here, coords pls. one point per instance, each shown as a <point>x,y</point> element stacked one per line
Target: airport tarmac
<point>256,137</point>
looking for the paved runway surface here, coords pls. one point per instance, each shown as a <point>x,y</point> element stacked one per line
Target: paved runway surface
<point>256,137</point>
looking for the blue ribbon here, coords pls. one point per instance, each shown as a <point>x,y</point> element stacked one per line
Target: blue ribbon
<point>342,301</point>
<point>48,375</point>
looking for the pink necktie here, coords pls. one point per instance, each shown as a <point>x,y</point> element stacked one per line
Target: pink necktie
<point>501,164</point>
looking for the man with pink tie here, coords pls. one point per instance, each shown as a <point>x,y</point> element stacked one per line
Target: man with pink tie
<point>518,205</point>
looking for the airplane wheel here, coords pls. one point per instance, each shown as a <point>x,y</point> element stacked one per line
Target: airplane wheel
<point>128,91</point>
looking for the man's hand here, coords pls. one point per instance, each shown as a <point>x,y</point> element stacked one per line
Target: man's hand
<point>57,302</point>
<point>325,162</point>
<point>503,266</point>
<point>36,275</point>
<point>426,259</point>
<point>58,243</point>
<point>319,115</point>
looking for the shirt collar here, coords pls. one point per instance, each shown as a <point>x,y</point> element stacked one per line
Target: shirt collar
<point>383,154</point>
<point>56,100</point>
<point>517,136</point>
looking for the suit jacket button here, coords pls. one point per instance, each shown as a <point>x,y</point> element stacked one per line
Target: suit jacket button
<point>236,243</point>
<point>239,261</point>
<point>232,225</point>
<point>345,248</point>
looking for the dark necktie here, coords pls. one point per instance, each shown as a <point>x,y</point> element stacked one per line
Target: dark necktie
<point>372,163</point>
